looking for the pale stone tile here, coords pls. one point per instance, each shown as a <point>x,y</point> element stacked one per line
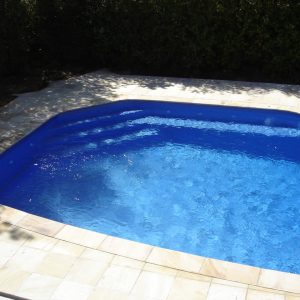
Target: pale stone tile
<point>97,255</point>
<point>260,295</point>
<point>222,292</point>
<point>160,269</point>
<point>55,264</point>
<point>193,276</point>
<point>11,215</point>
<point>152,285</point>
<point>230,271</point>
<point>119,278</point>
<point>184,288</point>
<point>228,282</point>
<point>127,262</point>
<point>141,297</point>
<point>106,294</point>
<point>87,271</point>
<point>291,296</point>
<point>40,241</point>
<point>38,287</point>
<point>68,290</point>
<point>263,289</point>
<point>12,278</point>
<point>40,225</point>
<point>175,259</point>
<point>67,248</point>
<point>81,236</point>
<point>280,280</point>
<point>27,259</point>
<point>7,250</point>
<point>125,248</point>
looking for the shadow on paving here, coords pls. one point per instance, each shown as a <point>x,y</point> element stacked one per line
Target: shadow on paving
<point>13,232</point>
<point>29,110</point>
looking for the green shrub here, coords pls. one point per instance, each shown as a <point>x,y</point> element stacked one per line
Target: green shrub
<point>231,39</point>
<point>16,35</point>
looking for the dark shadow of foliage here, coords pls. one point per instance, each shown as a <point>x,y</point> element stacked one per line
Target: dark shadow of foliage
<point>31,109</point>
<point>235,40</point>
<point>13,232</point>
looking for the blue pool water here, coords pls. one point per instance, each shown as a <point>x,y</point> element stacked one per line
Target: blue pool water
<point>208,180</point>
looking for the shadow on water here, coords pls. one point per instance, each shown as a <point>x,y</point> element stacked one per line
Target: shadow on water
<point>13,232</point>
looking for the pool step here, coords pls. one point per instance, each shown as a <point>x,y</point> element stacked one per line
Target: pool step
<point>97,136</point>
<point>100,121</point>
<point>119,126</point>
<point>109,146</point>
<point>258,145</point>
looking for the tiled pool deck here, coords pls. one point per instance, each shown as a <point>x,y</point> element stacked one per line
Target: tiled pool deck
<point>43,259</point>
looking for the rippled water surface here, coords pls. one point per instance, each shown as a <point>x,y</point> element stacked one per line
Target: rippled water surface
<point>216,189</point>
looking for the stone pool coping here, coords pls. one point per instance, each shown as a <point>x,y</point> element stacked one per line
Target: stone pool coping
<point>116,87</point>
<point>180,261</point>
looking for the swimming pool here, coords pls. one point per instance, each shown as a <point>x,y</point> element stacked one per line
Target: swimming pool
<point>215,181</point>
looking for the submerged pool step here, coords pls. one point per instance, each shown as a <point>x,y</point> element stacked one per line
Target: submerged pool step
<point>211,113</point>
<point>108,146</point>
<point>111,123</point>
<point>258,145</point>
<point>93,112</point>
<point>98,136</point>
<point>180,130</point>
<point>99,121</point>
<point>162,119</point>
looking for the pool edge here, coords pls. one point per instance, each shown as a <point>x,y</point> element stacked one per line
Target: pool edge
<point>180,261</point>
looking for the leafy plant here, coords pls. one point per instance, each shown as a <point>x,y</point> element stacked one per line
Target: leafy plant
<point>232,39</point>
